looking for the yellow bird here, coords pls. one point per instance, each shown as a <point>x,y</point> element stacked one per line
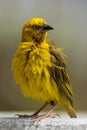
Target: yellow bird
<point>39,67</point>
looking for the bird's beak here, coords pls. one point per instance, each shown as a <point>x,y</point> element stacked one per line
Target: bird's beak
<point>47,27</point>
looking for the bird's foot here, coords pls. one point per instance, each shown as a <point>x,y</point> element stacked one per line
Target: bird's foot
<point>47,115</point>
<point>26,116</point>
<point>34,115</point>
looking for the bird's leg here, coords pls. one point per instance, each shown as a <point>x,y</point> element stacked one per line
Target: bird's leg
<point>34,114</point>
<point>48,114</point>
<point>52,109</point>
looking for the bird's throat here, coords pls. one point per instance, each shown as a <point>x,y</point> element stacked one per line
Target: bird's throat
<point>34,38</point>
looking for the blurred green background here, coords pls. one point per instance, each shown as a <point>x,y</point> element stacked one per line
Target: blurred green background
<point>69,18</point>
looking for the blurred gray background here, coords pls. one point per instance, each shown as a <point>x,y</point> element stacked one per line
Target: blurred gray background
<point>69,18</point>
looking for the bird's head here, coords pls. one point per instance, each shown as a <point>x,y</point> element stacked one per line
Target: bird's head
<point>35,29</point>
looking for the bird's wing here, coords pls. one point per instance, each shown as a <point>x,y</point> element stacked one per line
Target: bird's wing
<point>58,71</point>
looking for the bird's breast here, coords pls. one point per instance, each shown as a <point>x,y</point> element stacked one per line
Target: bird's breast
<point>39,60</point>
<point>30,69</point>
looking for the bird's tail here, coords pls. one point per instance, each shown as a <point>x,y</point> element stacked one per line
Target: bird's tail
<point>70,111</point>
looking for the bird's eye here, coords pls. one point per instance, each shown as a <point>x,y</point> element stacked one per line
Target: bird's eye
<point>36,27</point>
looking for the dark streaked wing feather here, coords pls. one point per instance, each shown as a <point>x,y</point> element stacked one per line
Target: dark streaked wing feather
<point>59,73</point>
